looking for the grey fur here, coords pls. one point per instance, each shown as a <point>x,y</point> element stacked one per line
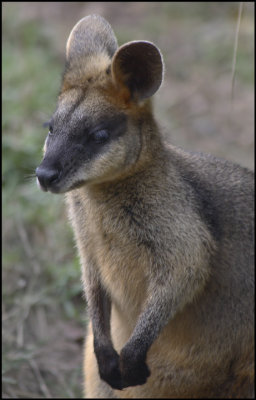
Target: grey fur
<point>166,237</point>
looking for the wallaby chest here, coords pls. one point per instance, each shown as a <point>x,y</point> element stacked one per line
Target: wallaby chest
<point>107,232</point>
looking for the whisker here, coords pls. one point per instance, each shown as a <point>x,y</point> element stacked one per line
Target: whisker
<point>31,175</point>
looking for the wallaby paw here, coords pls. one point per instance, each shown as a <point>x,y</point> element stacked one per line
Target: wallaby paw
<point>109,371</point>
<point>134,371</point>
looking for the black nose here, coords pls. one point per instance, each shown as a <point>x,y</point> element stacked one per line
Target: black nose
<point>47,176</point>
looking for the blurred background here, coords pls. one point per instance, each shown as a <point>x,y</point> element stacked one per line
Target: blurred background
<point>44,313</point>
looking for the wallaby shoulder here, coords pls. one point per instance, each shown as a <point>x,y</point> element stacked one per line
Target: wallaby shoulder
<point>224,191</point>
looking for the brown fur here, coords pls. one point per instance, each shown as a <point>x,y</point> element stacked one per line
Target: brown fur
<point>165,236</point>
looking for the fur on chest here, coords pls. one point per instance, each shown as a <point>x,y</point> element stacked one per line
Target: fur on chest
<point>116,238</point>
<point>122,260</point>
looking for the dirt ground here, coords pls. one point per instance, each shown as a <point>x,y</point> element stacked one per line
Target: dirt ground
<point>194,109</point>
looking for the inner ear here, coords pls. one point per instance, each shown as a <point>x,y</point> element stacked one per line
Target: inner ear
<point>139,66</point>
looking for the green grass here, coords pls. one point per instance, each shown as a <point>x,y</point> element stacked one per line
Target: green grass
<point>40,267</point>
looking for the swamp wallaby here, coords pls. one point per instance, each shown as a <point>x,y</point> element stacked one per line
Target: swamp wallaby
<point>165,236</point>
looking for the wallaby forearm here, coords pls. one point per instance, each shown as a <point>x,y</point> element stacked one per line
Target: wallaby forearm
<point>107,357</point>
<point>165,299</point>
<point>99,306</point>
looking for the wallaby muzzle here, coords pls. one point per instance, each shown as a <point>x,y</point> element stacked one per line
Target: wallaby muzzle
<point>48,177</point>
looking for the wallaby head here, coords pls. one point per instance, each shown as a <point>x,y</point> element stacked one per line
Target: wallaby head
<point>95,133</point>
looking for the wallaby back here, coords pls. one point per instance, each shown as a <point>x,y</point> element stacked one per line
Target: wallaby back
<point>165,236</point>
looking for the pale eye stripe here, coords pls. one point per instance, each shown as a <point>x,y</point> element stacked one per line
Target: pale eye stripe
<point>68,104</point>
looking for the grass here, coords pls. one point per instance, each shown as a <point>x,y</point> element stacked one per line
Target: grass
<point>40,269</point>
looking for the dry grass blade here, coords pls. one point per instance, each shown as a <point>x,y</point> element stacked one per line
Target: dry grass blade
<point>28,248</point>
<point>40,379</point>
<point>240,10</point>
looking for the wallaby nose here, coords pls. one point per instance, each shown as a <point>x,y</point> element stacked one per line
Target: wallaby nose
<point>47,176</point>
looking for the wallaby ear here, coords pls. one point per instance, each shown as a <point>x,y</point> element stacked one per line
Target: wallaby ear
<point>91,35</point>
<point>139,66</point>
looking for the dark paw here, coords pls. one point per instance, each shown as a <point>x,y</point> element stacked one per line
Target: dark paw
<point>134,370</point>
<point>108,364</point>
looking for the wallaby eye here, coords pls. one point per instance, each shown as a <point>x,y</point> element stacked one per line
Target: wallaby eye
<point>100,136</point>
<point>48,124</point>
<point>50,130</point>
